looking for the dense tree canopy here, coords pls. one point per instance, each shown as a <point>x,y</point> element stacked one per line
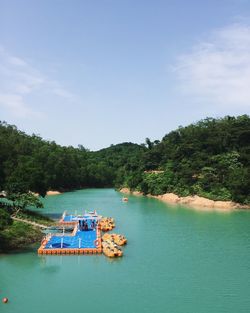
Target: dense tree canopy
<point>210,158</point>
<point>28,163</point>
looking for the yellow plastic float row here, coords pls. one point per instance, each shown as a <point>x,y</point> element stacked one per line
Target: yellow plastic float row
<point>111,243</point>
<point>106,223</point>
<point>120,240</point>
<point>110,249</point>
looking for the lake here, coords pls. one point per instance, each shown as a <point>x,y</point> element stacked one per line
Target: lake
<point>177,260</point>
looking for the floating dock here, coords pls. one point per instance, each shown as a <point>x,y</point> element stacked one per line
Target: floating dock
<point>82,234</point>
<point>84,239</point>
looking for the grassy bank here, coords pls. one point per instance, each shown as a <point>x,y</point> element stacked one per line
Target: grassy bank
<point>15,235</point>
<point>35,217</point>
<point>19,236</point>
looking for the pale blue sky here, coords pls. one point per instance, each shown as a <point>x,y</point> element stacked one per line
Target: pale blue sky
<point>103,72</point>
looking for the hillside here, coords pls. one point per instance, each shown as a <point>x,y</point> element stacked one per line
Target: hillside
<point>210,158</point>
<point>31,163</point>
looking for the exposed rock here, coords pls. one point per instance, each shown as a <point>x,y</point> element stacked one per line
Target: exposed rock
<point>128,191</point>
<point>125,190</point>
<point>194,201</point>
<point>52,193</point>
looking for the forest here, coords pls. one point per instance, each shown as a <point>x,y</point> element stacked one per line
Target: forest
<point>210,158</point>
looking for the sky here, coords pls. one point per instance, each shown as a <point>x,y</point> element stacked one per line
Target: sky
<point>102,72</point>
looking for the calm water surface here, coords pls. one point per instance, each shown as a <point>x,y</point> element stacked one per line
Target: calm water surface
<point>176,260</point>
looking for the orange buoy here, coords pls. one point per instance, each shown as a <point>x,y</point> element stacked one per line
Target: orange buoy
<point>5,300</point>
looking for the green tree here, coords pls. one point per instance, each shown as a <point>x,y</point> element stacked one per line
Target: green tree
<point>21,200</point>
<point>5,218</point>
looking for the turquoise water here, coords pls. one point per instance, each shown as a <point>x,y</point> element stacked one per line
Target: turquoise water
<point>176,260</point>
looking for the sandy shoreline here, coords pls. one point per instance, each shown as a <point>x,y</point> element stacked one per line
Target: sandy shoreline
<point>52,193</point>
<point>193,201</point>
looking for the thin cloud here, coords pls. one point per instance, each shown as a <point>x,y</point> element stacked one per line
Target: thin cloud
<point>217,71</point>
<point>57,89</point>
<point>15,105</point>
<point>16,61</point>
<point>19,80</point>
<point>63,93</point>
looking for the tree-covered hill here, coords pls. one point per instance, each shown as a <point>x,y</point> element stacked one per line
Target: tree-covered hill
<point>30,163</point>
<point>120,160</point>
<point>210,158</point>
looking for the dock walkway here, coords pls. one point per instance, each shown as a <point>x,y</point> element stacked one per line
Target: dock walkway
<point>29,222</point>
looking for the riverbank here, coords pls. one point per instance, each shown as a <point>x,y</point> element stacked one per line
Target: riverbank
<point>48,193</point>
<point>18,235</point>
<point>197,202</point>
<point>52,193</point>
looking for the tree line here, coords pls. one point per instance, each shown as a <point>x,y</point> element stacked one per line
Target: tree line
<point>210,158</point>
<point>29,163</point>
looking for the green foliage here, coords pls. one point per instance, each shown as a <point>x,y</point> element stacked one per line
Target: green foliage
<point>157,183</point>
<point>30,163</point>
<point>5,219</point>
<point>18,236</point>
<point>209,158</point>
<point>35,217</point>
<point>22,200</point>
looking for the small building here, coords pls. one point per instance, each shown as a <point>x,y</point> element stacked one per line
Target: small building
<point>3,194</point>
